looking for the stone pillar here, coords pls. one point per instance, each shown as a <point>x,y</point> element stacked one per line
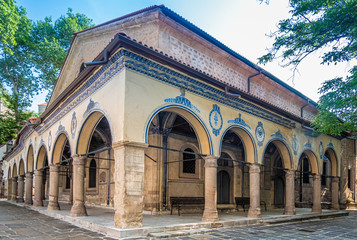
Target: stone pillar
<point>38,189</point>
<point>334,193</point>
<point>129,184</point>
<point>13,189</point>
<point>53,197</point>
<point>28,186</point>
<point>316,205</point>
<point>254,191</point>
<point>210,213</point>
<point>78,208</point>
<point>9,187</point>
<point>20,191</point>
<point>290,192</point>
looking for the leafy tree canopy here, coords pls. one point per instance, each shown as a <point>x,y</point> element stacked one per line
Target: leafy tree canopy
<point>330,26</point>
<point>31,55</point>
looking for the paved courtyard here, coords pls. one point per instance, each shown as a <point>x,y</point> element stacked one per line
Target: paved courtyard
<point>21,223</point>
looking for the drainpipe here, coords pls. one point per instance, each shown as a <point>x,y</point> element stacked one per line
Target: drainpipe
<point>231,95</point>
<point>165,136</point>
<point>104,61</point>
<point>109,166</point>
<point>256,74</point>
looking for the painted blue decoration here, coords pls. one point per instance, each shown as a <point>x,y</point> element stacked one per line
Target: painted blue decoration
<point>260,134</point>
<point>309,133</point>
<point>278,135</point>
<point>61,128</point>
<point>239,121</point>
<point>49,141</point>
<point>215,118</point>
<point>330,145</point>
<point>295,144</point>
<point>308,145</point>
<point>321,150</point>
<point>90,106</point>
<point>182,100</point>
<point>42,142</point>
<point>73,124</point>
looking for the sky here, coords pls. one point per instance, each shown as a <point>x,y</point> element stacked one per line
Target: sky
<point>242,25</point>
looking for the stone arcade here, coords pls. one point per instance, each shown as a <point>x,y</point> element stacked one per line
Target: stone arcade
<point>149,107</point>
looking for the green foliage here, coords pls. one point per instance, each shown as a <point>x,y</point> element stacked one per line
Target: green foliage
<point>13,117</point>
<point>31,55</point>
<point>331,26</point>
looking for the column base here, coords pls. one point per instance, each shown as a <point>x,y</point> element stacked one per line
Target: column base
<point>316,209</point>
<point>124,221</point>
<point>210,216</point>
<point>53,206</point>
<point>20,200</point>
<point>289,212</point>
<point>78,210</point>
<point>28,201</point>
<point>37,203</point>
<point>335,207</point>
<point>254,213</point>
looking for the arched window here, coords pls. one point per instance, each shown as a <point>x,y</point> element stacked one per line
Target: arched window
<point>189,162</point>
<point>306,167</point>
<point>92,174</point>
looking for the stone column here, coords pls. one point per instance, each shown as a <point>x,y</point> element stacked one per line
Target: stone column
<point>28,186</point>
<point>78,208</point>
<point>13,189</point>
<point>254,191</point>
<point>38,189</point>
<point>210,213</point>
<point>129,184</point>
<point>334,193</point>
<point>53,198</point>
<point>20,191</point>
<point>290,192</point>
<point>9,187</point>
<point>316,205</point>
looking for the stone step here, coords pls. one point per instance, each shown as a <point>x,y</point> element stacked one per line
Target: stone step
<point>171,234</point>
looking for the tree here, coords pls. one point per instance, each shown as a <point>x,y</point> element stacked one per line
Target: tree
<point>331,26</point>
<point>31,55</point>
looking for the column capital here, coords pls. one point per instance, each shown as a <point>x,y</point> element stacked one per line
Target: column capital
<point>121,144</point>
<point>316,177</point>
<point>254,168</point>
<point>20,178</point>
<point>38,172</point>
<point>335,179</point>
<point>289,172</point>
<point>78,159</point>
<point>29,174</point>
<point>54,167</point>
<point>14,179</point>
<point>211,161</point>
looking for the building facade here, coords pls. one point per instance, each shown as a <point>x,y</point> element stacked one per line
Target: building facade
<point>149,107</point>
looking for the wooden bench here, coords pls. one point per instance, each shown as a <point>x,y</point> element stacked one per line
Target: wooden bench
<point>246,201</point>
<point>178,202</point>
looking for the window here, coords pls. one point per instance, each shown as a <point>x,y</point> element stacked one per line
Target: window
<point>92,174</point>
<point>324,171</point>
<point>68,179</point>
<point>189,162</point>
<point>305,175</point>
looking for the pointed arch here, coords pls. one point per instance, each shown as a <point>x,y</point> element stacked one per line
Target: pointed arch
<point>59,146</point>
<point>30,159</point>
<point>284,151</point>
<point>14,170</point>
<point>201,131</point>
<point>9,172</point>
<point>87,131</point>
<point>312,160</point>
<point>21,170</point>
<point>249,145</point>
<point>42,159</point>
<point>332,156</point>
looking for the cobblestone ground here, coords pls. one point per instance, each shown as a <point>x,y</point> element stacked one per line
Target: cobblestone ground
<point>21,223</point>
<point>336,228</point>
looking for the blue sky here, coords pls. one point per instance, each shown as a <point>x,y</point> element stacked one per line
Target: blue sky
<point>240,24</point>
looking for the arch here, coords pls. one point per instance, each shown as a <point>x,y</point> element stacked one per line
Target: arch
<point>9,173</point>
<point>87,130</point>
<point>59,146</point>
<point>247,140</point>
<point>21,170</point>
<point>201,131</point>
<point>312,160</point>
<point>30,159</point>
<point>14,170</point>
<point>333,158</point>
<point>42,159</point>
<point>283,150</point>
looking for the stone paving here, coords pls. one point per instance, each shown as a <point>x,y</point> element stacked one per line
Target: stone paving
<point>21,223</point>
<point>337,228</point>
